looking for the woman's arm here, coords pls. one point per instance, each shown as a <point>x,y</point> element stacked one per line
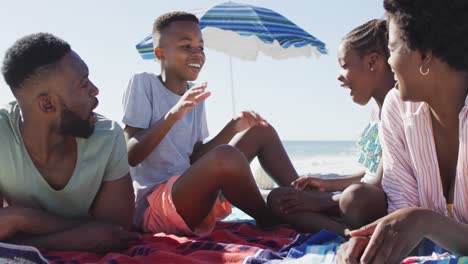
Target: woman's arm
<point>447,233</point>
<point>394,236</point>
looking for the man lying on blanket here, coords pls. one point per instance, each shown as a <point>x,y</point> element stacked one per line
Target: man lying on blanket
<point>63,168</point>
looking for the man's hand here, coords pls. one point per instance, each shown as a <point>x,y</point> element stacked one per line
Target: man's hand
<point>189,100</point>
<point>102,237</point>
<point>98,237</point>
<point>10,222</point>
<point>246,120</point>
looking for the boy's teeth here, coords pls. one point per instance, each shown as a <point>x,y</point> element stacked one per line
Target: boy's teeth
<point>194,65</point>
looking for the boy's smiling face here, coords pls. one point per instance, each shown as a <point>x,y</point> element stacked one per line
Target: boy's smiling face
<point>181,50</point>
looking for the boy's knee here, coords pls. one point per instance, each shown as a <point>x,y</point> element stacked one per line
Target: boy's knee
<point>264,131</point>
<point>226,157</point>
<point>225,151</point>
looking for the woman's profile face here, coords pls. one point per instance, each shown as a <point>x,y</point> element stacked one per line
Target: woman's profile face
<point>355,74</point>
<point>405,65</point>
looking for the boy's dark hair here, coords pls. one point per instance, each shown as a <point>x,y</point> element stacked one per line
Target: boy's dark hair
<point>371,36</point>
<point>28,54</point>
<point>437,25</point>
<point>164,20</point>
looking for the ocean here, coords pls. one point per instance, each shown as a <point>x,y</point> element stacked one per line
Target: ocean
<point>315,157</point>
<point>323,156</point>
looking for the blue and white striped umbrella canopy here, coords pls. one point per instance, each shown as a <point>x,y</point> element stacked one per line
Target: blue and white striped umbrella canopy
<point>242,31</point>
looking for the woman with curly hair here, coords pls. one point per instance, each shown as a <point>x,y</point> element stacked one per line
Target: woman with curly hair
<point>424,135</point>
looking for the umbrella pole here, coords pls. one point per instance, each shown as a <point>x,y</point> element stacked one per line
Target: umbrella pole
<point>233,98</point>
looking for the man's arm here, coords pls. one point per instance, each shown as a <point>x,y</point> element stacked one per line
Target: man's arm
<point>115,202</point>
<point>15,220</point>
<point>112,209</point>
<point>91,236</point>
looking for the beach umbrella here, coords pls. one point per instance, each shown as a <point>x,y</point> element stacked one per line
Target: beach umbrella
<point>243,31</point>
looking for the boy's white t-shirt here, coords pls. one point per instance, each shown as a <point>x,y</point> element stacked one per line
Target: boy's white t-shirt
<point>145,102</point>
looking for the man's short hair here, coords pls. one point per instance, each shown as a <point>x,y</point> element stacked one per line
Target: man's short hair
<point>29,54</point>
<point>164,20</point>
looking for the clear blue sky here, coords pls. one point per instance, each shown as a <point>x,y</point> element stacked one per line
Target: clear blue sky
<point>300,97</point>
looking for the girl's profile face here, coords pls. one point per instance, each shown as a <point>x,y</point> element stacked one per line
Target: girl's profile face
<point>356,74</point>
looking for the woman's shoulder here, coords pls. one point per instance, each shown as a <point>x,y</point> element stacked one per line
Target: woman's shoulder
<point>393,99</point>
<point>393,104</point>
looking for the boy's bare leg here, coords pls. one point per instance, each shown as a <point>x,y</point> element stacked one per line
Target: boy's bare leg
<point>224,169</point>
<point>305,221</point>
<point>264,143</point>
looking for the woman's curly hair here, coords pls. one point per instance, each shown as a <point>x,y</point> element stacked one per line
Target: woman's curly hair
<point>437,25</point>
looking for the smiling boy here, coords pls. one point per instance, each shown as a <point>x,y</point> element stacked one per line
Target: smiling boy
<point>177,178</point>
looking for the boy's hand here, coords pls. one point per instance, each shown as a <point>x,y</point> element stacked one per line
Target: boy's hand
<point>189,100</point>
<point>246,120</point>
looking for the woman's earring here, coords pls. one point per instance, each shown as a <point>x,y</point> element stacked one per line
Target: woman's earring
<point>424,73</point>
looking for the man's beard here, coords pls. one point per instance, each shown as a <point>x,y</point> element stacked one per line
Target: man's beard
<point>73,125</point>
